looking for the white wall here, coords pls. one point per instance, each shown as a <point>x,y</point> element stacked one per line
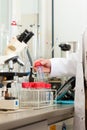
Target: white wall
<point>4,13</point>
<point>45,17</point>
<point>70,19</point>
<point>29,6</point>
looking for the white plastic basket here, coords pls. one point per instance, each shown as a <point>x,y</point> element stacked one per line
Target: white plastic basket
<point>36,98</point>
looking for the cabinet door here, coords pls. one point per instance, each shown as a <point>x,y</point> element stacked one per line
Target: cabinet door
<point>37,126</point>
<point>63,125</point>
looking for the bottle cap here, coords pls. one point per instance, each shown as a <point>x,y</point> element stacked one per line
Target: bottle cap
<point>38,64</point>
<point>13,23</point>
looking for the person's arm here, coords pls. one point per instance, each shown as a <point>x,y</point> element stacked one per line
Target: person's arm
<point>64,66</point>
<point>59,66</point>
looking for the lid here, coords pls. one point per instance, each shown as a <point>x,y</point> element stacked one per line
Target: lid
<point>28,85</point>
<point>13,23</point>
<point>36,85</point>
<point>38,64</point>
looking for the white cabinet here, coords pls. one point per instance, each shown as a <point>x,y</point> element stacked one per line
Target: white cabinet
<point>36,126</point>
<point>63,125</point>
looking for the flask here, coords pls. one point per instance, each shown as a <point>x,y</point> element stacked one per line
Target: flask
<point>40,73</point>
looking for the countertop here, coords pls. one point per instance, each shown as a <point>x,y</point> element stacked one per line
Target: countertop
<point>14,119</point>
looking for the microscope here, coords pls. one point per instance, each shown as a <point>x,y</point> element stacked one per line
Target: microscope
<point>10,57</point>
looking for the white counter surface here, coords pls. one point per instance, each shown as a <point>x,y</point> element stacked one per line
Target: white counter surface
<point>10,120</point>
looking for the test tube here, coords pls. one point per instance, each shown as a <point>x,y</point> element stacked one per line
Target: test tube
<point>40,73</point>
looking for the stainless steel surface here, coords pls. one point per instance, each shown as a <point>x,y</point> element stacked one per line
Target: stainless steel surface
<point>9,120</point>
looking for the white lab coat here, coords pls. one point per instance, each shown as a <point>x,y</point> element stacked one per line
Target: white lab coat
<point>64,66</point>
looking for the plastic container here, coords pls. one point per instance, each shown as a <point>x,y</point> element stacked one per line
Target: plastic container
<point>36,95</point>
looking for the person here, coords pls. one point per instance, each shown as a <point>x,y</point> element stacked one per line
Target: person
<point>58,67</point>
